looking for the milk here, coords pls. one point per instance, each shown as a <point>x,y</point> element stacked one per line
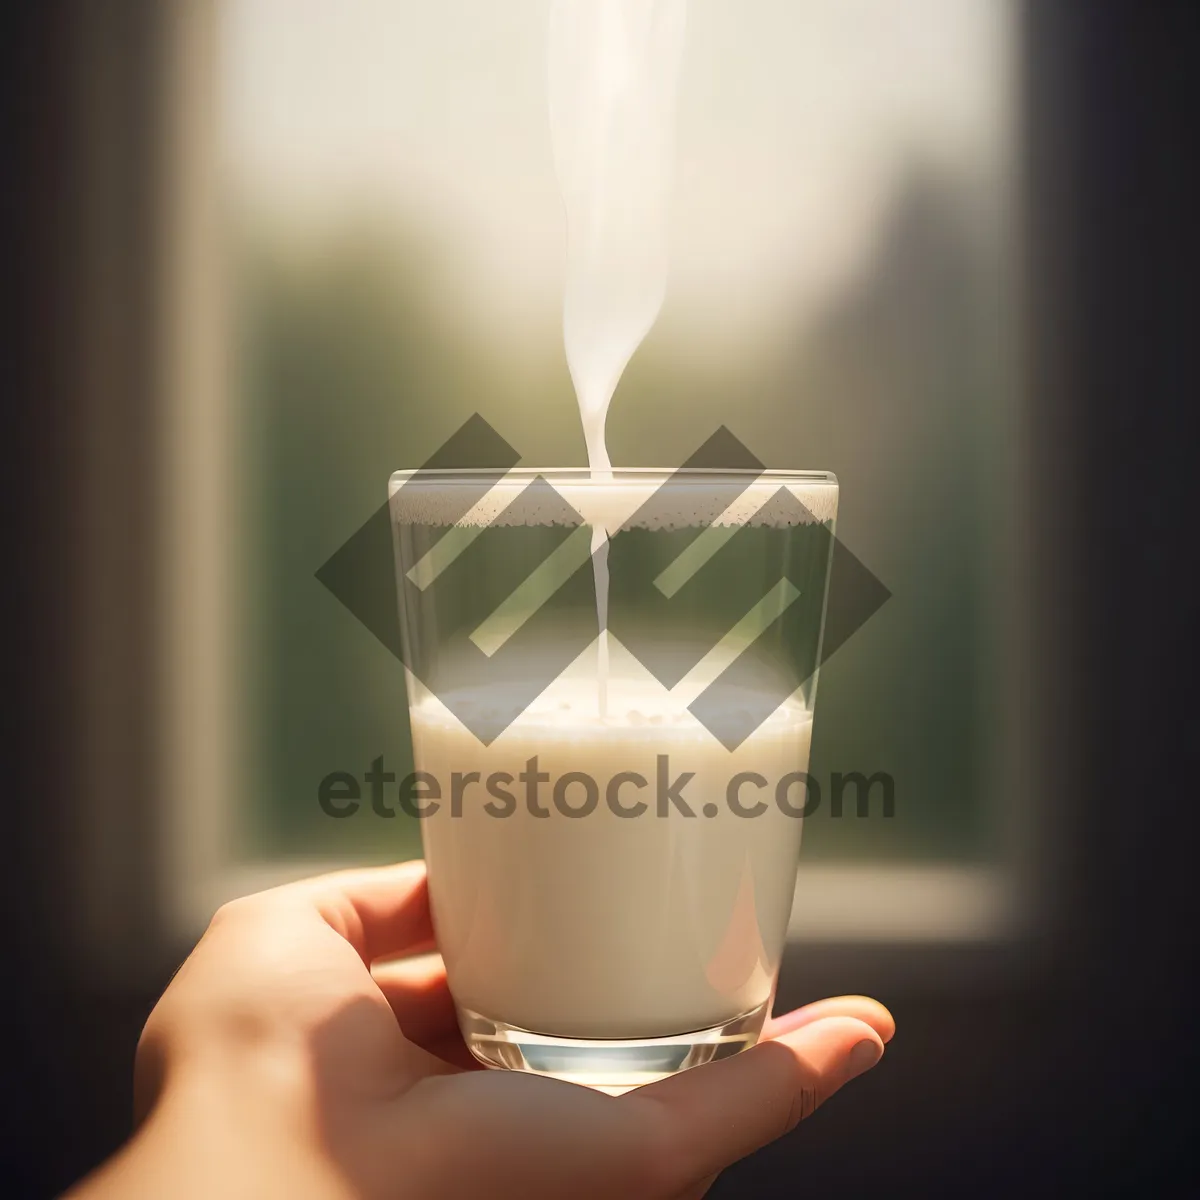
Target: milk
<point>603,925</point>
<point>612,82</point>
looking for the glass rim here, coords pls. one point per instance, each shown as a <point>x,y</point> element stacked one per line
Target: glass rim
<point>616,476</point>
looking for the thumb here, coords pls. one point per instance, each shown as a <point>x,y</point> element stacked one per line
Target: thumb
<point>721,1112</point>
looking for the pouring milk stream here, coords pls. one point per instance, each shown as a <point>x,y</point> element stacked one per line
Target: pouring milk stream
<point>613,77</point>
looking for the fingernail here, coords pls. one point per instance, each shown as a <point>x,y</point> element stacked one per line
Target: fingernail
<point>862,1058</point>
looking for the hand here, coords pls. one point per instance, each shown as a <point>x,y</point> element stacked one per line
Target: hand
<point>290,1057</point>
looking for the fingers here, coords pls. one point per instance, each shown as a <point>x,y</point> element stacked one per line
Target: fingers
<point>713,1115</point>
<point>380,911</point>
<point>694,1191</point>
<point>416,989</point>
<point>417,992</point>
<point>453,1051</point>
<point>861,1007</point>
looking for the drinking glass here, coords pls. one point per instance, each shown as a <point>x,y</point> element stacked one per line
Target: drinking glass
<point>611,683</point>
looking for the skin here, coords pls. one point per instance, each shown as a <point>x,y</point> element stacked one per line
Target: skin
<point>295,1054</point>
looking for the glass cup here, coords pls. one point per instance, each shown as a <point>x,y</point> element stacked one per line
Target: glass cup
<point>611,683</point>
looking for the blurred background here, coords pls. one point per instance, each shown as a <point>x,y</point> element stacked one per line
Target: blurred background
<point>277,249</point>
<point>389,243</point>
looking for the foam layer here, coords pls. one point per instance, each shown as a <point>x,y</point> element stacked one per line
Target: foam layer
<point>571,715</point>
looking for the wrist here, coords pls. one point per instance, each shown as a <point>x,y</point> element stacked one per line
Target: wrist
<point>244,1125</point>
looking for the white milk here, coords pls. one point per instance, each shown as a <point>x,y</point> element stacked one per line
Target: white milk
<point>604,926</point>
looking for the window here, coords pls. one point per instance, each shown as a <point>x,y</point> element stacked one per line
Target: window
<point>389,243</point>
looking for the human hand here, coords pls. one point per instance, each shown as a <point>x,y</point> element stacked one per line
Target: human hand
<point>290,1057</point>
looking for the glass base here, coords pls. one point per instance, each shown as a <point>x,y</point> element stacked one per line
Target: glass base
<point>612,1065</point>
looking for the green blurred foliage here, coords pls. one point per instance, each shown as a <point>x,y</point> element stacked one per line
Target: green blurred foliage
<point>347,371</point>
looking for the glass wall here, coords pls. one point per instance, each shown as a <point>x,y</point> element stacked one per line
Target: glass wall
<point>841,297</point>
